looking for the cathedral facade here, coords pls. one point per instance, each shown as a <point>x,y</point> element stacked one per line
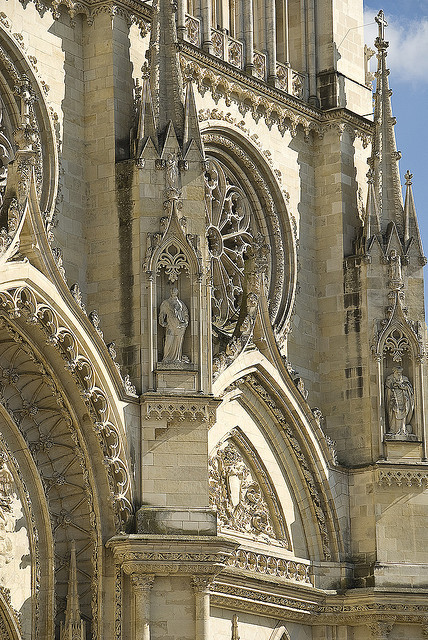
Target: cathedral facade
<point>212,334</point>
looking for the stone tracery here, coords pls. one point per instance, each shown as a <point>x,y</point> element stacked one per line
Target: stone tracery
<point>229,236</point>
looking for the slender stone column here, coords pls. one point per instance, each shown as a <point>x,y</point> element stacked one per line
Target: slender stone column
<point>181,19</point>
<point>271,41</point>
<point>207,44</point>
<point>141,586</point>
<point>312,56</point>
<point>201,586</point>
<point>249,38</point>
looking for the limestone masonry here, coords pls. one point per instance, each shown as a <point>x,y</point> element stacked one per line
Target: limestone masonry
<point>213,351</point>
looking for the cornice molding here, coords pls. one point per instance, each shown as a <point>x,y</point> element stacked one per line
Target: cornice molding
<point>316,608</point>
<point>278,107</point>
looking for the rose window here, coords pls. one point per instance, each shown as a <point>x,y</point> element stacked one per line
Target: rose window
<point>229,237</point>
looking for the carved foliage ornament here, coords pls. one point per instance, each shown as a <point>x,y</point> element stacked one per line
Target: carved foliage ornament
<point>6,521</point>
<point>6,155</point>
<point>236,494</point>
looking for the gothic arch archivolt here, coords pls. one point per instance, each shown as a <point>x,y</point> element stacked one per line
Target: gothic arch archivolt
<point>33,404</point>
<point>60,407</point>
<point>9,624</point>
<point>27,121</point>
<point>93,383</point>
<point>254,394</point>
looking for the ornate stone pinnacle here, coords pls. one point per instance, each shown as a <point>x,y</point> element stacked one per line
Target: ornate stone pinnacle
<point>370,176</point>
<point>408,177</point>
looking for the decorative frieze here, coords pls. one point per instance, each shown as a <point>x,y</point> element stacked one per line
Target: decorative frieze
<point>307,608</point>
<point>403,477</point>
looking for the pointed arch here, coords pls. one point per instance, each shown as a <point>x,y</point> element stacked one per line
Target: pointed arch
<point>33,305</point>
<point>295,439</point>
<point>9,624</point>
<point>280,633</point>
<point>16,77</point>
<point>243,492</point>
<point>63,417</point>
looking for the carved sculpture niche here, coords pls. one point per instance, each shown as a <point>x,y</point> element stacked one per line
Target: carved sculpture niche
<point>238,493</point>
<point>399,392</point>
<point>175,277</point>
<point>399,351</point>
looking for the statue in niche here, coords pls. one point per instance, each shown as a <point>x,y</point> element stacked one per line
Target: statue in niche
<point>174,317</point>
<point>400,402</point>
<point>395,272</point>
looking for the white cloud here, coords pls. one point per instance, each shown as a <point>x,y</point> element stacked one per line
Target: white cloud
<point>408,46</point>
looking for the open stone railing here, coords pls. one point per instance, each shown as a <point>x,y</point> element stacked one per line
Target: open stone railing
<point>271,565</point>
<point>232,51</point>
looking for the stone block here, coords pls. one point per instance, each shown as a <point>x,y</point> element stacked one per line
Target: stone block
<point>177,521</point>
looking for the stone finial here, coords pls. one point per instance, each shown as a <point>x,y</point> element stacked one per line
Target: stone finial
<point>412,238</point>
<point>382,23</point>
<point>408,177</point>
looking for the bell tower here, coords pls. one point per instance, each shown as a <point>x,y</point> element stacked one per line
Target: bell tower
<point>385,336</point>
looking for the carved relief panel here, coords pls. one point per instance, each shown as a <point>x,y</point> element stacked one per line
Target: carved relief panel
<point>238,491</point>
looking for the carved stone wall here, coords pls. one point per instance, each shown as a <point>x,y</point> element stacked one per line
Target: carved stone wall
<point>17,566</point>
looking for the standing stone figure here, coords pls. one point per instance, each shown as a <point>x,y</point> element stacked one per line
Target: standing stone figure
<point>400,401</point>
<point>174,316</point>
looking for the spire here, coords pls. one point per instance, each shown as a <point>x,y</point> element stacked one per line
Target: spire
<point>385,157</point>
<point>411,227</point>
<point>191,122</point>
<point>166,78</point>
<point>146,127</point>
<point>73,628</point>
<point>371,222</point>
<point>165,116</point>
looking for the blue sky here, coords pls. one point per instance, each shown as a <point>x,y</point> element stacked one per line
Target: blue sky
<point>407,33</point>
